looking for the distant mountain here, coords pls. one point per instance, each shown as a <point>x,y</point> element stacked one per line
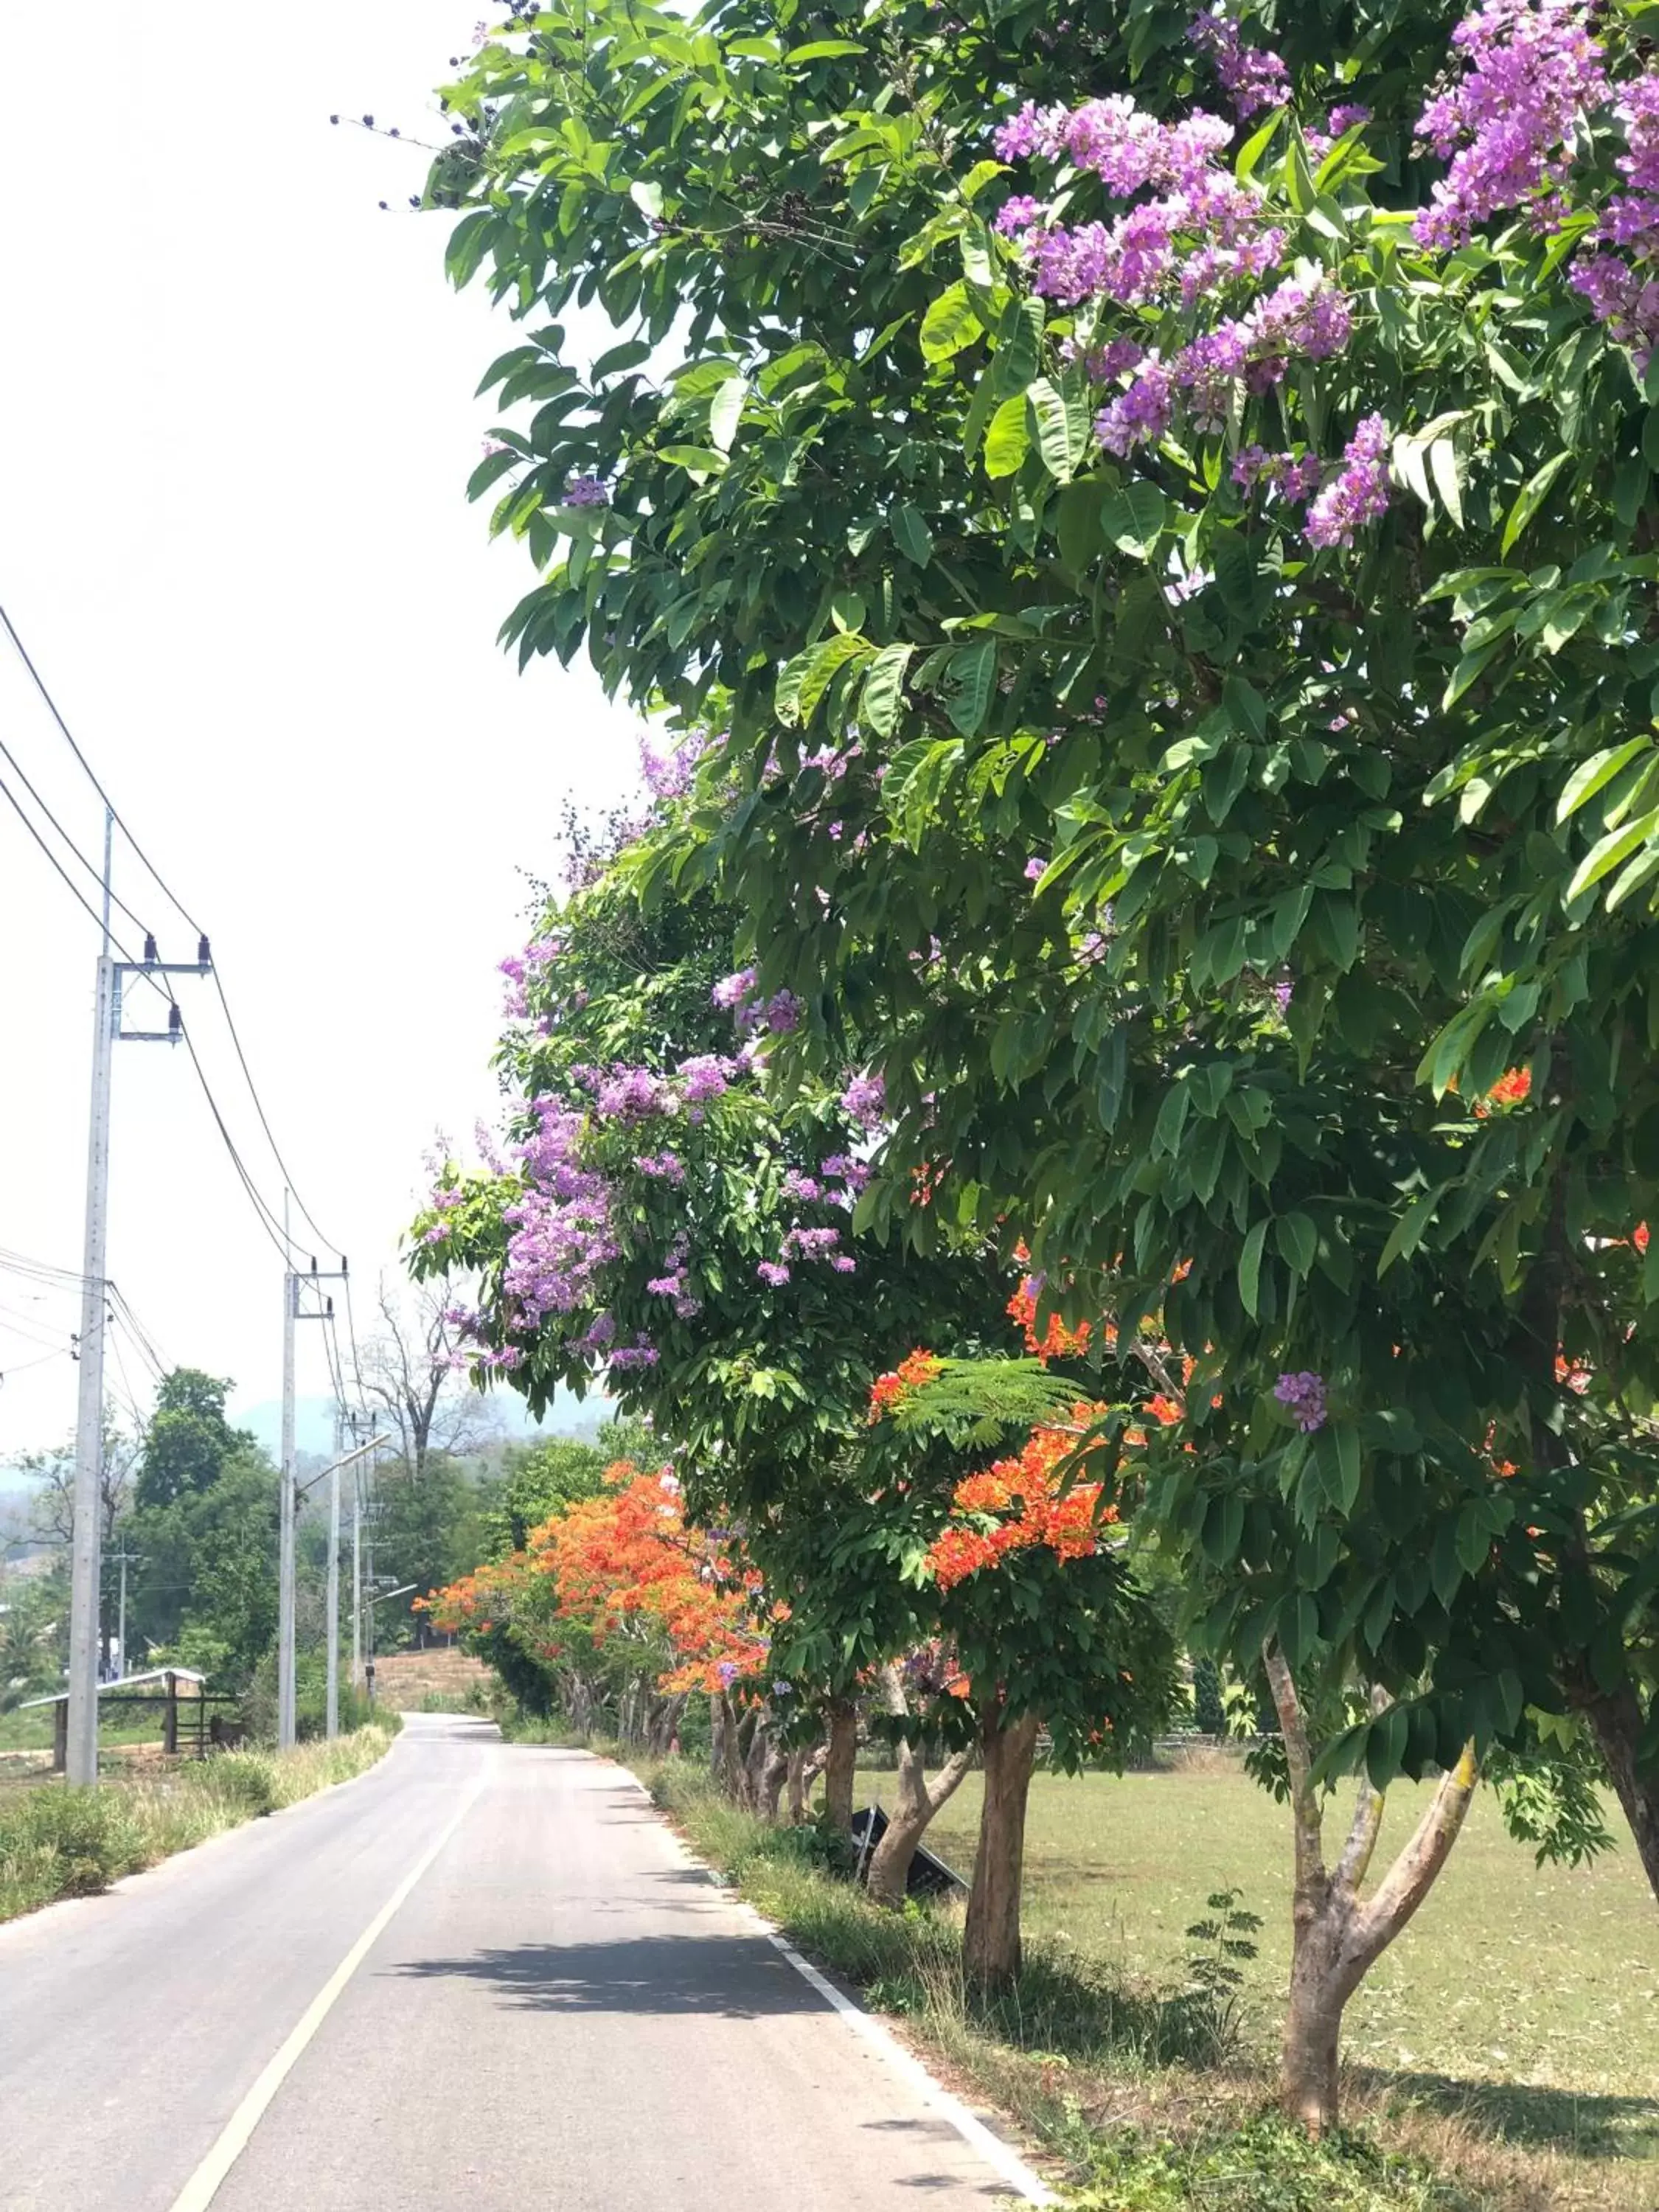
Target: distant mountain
<point>314,1421</point>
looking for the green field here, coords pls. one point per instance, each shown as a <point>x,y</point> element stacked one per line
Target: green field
<point>1540,1982</point>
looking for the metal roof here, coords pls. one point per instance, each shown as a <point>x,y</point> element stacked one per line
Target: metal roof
<point>126,1682</point>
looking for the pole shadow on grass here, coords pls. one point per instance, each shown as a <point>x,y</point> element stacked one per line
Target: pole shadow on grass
<point>1532,2114</point>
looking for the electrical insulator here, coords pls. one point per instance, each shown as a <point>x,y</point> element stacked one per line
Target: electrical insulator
<point>176,1022</point>
<point>203,953</point>
<point>151,955</point>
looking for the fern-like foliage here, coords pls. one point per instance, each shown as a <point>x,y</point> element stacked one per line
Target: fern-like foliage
<point>985,1400</point>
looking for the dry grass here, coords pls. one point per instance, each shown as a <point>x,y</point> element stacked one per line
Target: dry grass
<point>438,1681</point>
<point>55,1842</point>
<point>1511,2034</point>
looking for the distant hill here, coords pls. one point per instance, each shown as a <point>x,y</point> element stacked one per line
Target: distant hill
<point>314,1421</point>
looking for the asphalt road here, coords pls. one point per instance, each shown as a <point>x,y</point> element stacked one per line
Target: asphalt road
<point>487,1979</point>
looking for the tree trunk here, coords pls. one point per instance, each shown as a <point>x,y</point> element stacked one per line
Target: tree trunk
<point>1338,1938</point>
<point>888,1877</point>
<point>839,1765</point>
<point>1313,2028</point>
<point>1615,1719</point>
<point>717,1738</point>
<point>773,1774</point>
<point>990,1941</point>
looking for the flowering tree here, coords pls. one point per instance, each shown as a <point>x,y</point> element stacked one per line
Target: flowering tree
<point>617,1595</point>
<point>667,1218</point>
<point>1038,1625</point>
<point>1162,527</point>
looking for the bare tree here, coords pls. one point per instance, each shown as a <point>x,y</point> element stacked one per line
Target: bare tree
<point>52,1510</point>
<point>410,1371</point>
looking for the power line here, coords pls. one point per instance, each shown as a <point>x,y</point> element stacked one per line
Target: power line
<point>258,1108</point>
<point>16,805</point>
<point>116,816</point>
<point>267,1219</point>
<point>91,867</point>
<point>68,737</point>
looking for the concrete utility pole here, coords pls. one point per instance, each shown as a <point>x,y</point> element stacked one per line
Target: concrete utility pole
<point>86,1568</point>
<point>353,1460</point>
<point>285,1538</point>
<point>293,1313</point>
<point>357,1578</point>
<point>124,1559</point>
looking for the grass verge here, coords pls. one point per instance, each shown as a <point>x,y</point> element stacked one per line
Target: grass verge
<point>1145,2090</point>
<point>57,1842</point>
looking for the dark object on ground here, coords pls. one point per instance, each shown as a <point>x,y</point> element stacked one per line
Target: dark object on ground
<point>929,1877</point>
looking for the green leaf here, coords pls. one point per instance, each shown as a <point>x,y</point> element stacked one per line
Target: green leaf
<point>1298,1241</point>
<point>950,324</point>
<point>1443,467</point>
<point>911,534</point>
<point>883,698</point>
<point>973,672</point>
<point>1062,428</point>
<point>1008,439</point>
<point>1133,519</point>
<point>647,198</point>
<point>726,411</point>
<point>1408,1231</point>
<point>703,457</point>
<point>1249,1268</point>
<point>1532,497</point>
<point>823,662</point>
<point>1589,777</point>
<point>1607,852</point>
<point>822,50</point>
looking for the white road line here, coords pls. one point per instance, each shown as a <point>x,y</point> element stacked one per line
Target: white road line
<point>199,2192</point>
<point>1001,2157</point>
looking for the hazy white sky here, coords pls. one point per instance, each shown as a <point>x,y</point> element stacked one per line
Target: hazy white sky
<point>236,423</point>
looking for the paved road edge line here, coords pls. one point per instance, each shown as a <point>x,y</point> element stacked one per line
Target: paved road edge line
<point>1002,2159</point>
<point>199,2192</point>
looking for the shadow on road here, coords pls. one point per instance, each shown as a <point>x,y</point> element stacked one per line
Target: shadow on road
<point>730,1977</point>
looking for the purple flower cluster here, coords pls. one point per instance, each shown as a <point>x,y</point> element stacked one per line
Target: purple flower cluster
<point>1358,492</point>
<point>1251,77</point>
<point>1338,124</point>
<point>585,491</point>
<point>1530,70</point>
<point>661,1167</point>
<point>671,773</point>
<point>1199,227</point>
<point>1294,480</point>
<point>562,1232</point>
<point>1622,285</point>
<point>705,1076</point>
<point>865,1101</point>
<point>803,1187</point>
<point>1303,1396</point>
<point>1197,231</point>
<point>641,1353</point>
<point>732,991</point>
<point>522,969</point>
<point>632,1094</point>
<point>1247,353</point>
<point>773,1272</point>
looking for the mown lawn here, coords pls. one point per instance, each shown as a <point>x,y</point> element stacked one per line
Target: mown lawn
<point>1541,1984</point>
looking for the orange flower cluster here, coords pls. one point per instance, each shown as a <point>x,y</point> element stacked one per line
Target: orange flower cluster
<point>1512,1089</point>
<point>627,1557</point>
<point>1018,1503</point>
<point>1057,1341</point>
<point>890,1390</point>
